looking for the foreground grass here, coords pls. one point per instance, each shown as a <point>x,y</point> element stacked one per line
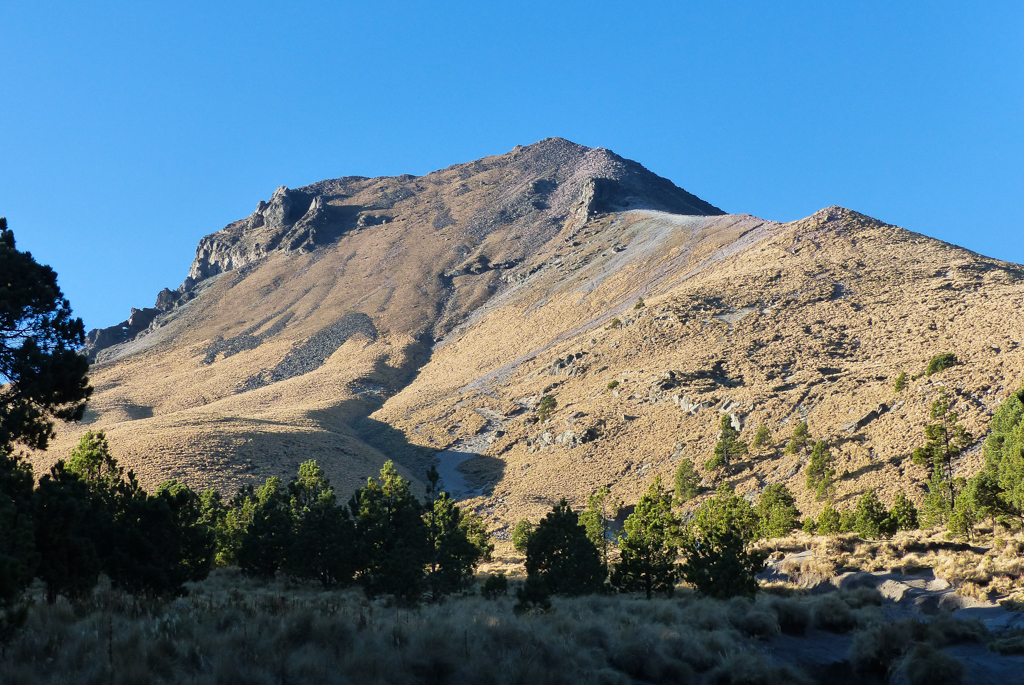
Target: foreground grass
<point>234,630</point>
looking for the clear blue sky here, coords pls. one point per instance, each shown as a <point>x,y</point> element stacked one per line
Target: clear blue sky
<point>130,130</point>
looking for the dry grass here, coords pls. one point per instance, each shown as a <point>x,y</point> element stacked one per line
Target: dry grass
<point>234,630</point>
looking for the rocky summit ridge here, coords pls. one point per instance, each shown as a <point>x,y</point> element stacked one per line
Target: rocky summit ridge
<point>422,318</point>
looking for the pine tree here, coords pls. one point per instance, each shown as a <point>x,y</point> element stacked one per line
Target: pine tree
<point>66,512</point>
<point>323,539</point>
<point>1004,455</point>
<point>901,382</point>
<point>560,556</point>
<point>801,436</point>
<point>392,536</point>
<point>727,511</point>
<point>521,534</point>
<point>820,474</point>
<point>18,556</point>
<point>830,522</point>
<point>453,556</point>
<point>596,520</point>
<point>777,512</point>
<point>687,482</point>
<point>946,439</point>
<point>728,447</point>
<point>42,374</point>
<point>763,437</point>
<point>265,542</point>
<point>648,545</point>
<point>871,520</point>
<point>903,513</point>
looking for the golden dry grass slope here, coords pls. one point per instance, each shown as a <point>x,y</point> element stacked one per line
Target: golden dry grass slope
<point>422,318</point>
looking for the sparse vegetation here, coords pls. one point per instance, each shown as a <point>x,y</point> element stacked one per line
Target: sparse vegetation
<point>687,482</point>
<point>940,362</point>
<point>820,472</point>
<point>901,382</point>
<point>763,437</point>
<point>612,385</point>
<point>639,303</point>
<point>546,405</point>
<point>801,436</point>
<point>615,323</point>
<point>521,534</point>
<point>728,447</point>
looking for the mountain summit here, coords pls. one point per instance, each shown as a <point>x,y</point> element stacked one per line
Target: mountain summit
<point>423,318</point>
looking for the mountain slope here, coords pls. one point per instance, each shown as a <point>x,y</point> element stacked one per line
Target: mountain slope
<point>422,318</point>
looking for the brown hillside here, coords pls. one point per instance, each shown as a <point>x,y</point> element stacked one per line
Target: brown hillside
<point>423,317</point>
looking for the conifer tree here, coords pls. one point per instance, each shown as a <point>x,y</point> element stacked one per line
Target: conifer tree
<point>453,556</point>
<point>763,437</point>
<point>903,513</point>
<point>945,440</point>
<point>266,539</point>
<point>687,482</point>
<point>820,474</point>
<point>728,447</point>
<point>777,512</point>
<point>727,511</point>
<point>1004,458</point>
<point>521,534</point>
<point>560,558</point>
<point>871,520</point>
<point>716,543</point>
<point>18,556</point>
<point>392,535</point>
<point>648,546</point>
<point>323,544</point>
<point>801,436</point>
<point>596,519</point>
<point>830,522</point>
<point>66,512</point>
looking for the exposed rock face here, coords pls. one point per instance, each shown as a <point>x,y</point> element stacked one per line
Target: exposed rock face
<point>102,338</point>
<point>540,189</point>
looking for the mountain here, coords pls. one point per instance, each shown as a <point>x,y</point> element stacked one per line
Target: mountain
<point>423,318</point>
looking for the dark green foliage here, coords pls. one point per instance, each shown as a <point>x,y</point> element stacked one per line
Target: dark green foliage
<point>1004,455</point>
<point>533,597</point>
<point>728,447</point>
<point>616,323</point>
<point>596,519</point>
<point>941,362</point>
<point>161,542</point>
<point>777,512</point>
<point>831,521</point>
<point>904,513</point>
<point>763,437</point>
<point>495,586</point>
<point>820,474</point>
<point>17,541</point>
<point>392,535</point>
<point>801,436</point>
<point>453,556</point>
<point>323,545</point>
<point>266,539</point>
<point>871,520</point>
<point>727,511</point>
<point>687,482</point>
<point>545,406</point>
<point>901,382</point>
<point>946,439</point>
<point>521,534</point>
<point>719,564</point>
<point>715,544</point>
<point>612,385</point>
<point>561,557</point>
<point>42,375</point>
<point>475,529</point>
<point>648,546</point>
<point>66,514</point>
<point>639,303</point>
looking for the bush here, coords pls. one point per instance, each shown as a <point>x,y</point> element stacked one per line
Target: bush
<point>834,615</point>
<point>544,407</point>
<point>612,385</point>
<point>763,437</point>
<point>639,303</point>
<point>941,362</point>
<point>901,382</point>
<point>495,586</point>
<point>615,323</point>
<point>801,436</point>
<point>925,665</point>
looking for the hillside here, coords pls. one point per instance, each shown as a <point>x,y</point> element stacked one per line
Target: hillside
<point>422,318</point>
